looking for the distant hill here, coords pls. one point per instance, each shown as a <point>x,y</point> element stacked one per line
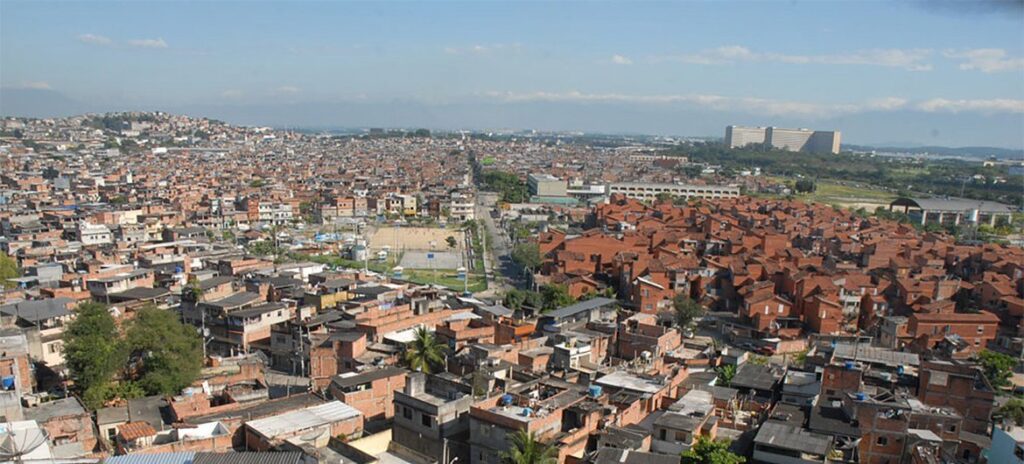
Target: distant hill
<point>968,152</point>
<point>37,103</point>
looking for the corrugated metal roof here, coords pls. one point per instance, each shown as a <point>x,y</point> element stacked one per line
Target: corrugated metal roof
<point>303,419</point>
<point>155,458</point>
<point>190,457</point>
<point>248,458</point>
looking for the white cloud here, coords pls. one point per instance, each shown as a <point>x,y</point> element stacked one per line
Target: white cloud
<point>38,85</point>
<point>771,107</point>
<point>93,39</point>
<point>997,105</point>
<point>987,60</point>
<point>914,59</point>
<point>620,59</point>
<point>287,89</point>
<point>482,49</point>
<point>148,43</point>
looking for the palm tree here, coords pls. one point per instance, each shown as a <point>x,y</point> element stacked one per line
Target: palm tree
<point>527,449</point>
<point>424,353</point>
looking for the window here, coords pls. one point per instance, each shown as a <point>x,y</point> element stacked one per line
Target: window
<point>664,434</point>
<point>406,412</point>
<point>882,441</point>
<point>981,329</point>
<point>952,428</point>
<point>426,420</point>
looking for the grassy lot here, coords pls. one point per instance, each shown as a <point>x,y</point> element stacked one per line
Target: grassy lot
<point>845,194</point>
<point>442,277</point>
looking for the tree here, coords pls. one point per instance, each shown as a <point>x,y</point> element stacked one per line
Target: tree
<point>805,186</point>
<point>725,374</point>
<point>166,354</point>
<point>663,197</point>
<point>527,255</point>
<point>708,451</point>
<point>997,367</point>
<point>1013,410</point>
<point>686,310</point>
<point>93,352</point>
<point>555,296</point>
<point>451,241</point>
<point>527,449</point>
<point>516,299</point>
<point>8,270</point>
<point>508,185</point>
<point>425,353</point>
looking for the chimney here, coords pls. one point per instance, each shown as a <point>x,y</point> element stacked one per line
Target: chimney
<point>415,384</point>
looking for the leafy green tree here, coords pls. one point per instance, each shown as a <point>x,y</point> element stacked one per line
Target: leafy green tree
<point>663,197</point>
<point>1013,410</point>
<point>525,448</point>
<point>167,353</point>
<point>555,296</point>
<point>8,270</point>
<point>805,186</point>
<point>508,185</point>
<point>708,451</point>
<point>425,353</point>
<point>93,352</point>
<point>516,299</point>
<point>451,241</point>
<point>997,367</point>
<point>527,255</point>
<point>687,310</point>
<point>725,374</point>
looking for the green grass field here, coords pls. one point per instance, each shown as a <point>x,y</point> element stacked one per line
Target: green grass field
<point>846,194</point>
<point>443,277</point>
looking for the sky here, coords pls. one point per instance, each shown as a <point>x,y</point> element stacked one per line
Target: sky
<point>942,72</point>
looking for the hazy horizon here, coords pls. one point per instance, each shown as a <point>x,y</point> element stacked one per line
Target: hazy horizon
<point>938,73</point>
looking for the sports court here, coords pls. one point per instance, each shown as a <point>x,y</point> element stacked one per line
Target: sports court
<point>414,244</point>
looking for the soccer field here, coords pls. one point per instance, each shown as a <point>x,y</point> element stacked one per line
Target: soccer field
<point>400,239</point>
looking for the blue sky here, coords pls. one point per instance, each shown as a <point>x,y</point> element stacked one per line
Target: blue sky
<point>768,62</point>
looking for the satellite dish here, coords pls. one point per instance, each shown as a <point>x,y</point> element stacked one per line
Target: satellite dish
<point>15,444</point>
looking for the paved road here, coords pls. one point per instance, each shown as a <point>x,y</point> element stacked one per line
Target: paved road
<point>497,263</point>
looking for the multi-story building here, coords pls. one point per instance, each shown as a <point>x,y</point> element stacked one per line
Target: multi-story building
<point>1007,445</point>
<point>93,234</point>
<point>371,392</point>
<point>546,185</point>
<point>805,140</point>
<point>738,136</point>
<point>430,414</point>
<point>649,191</point>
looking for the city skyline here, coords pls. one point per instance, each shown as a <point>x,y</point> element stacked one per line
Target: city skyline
<point>900,73</point>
